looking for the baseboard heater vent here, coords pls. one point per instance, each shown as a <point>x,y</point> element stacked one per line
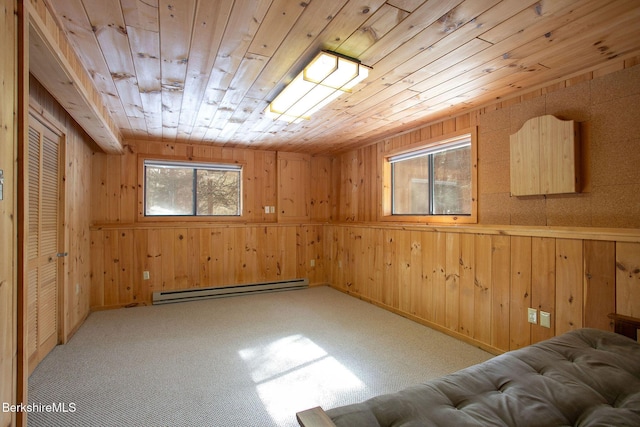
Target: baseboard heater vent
<point>227,291</point>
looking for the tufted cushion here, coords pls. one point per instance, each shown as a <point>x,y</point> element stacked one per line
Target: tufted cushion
<point>585,377</point>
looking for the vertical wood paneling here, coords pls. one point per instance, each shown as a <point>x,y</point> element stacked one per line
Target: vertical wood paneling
<point>569,278</point>
<point>520,330</point>
<point>293,187</point>
<point>403,263</point>
<point>126,251</point>
<point>599,283</point>
<point>375,251</point>
<point>8,212</point>
<point>418,280</point>
<point>141,263</point>
<point>111,268</point>
<point>320,188</point>
<point>439,251</point>
<point>167,258</point>
<point>466,314</point>
<point>193,258</point>
<point>543,284</point>
<point>98,271</point>
<point>483,288</point>
<point>452,282</point>
<point>628,279</point>
<point>390,282</point>
<point>425,306</point>
<point>153,264</point>
<point>501,295</point>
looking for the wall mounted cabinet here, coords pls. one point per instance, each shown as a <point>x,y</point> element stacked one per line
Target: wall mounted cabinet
<point>544,157</point>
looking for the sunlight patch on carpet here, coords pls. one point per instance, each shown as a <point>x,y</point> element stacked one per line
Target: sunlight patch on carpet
<point>293,374</point>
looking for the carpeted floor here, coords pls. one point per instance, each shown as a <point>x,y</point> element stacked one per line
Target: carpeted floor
<point>243,361</point>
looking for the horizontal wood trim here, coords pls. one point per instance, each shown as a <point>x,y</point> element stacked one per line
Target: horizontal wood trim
<point>586,233</point>
<point>191,224</point>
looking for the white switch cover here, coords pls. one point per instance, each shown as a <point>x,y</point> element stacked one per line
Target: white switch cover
<point>532,314</point>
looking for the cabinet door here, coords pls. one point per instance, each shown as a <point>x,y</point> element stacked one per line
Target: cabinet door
<point>544,157</point>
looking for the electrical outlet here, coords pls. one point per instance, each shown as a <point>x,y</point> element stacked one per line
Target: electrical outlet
<point>545,319</point>
<point>532,315</point>
<point>312,263</point>
<point>266,209</point>
<point>145,275</point>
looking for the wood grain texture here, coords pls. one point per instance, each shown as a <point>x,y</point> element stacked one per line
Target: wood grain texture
<point>451,280</point>
<point>183,258</point>
<point>204,72</point>
<point>8,211</point>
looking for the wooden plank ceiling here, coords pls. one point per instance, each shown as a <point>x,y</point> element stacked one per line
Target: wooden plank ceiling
<point>203,71</point>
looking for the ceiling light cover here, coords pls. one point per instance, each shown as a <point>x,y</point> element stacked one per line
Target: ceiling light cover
<point>326,77</point>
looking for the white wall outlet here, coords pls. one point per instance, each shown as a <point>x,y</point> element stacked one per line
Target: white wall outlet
<point>312,263</point>
<point>145,275</point>
<point>272,209</point>
<point>266,209</point>
<point>545,319</point>
<point>532,315</point>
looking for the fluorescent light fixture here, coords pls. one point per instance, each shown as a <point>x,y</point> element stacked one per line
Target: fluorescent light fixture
<point>327,77</point>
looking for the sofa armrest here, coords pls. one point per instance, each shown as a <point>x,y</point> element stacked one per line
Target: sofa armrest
<point>314,417</point>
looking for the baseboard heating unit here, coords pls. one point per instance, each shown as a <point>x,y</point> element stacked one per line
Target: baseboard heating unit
<point>168,297</point>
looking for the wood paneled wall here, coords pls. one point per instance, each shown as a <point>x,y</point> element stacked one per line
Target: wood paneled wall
<point>477,282</point>
<point>478,285</point>
<point>189,253</point>
<point>8,211</point>
<point>114,181</point>
<point>603,101</point>
<point>196,256</point>
<point>77,196</point>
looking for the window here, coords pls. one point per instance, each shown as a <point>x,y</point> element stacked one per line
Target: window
<point>192,189</point>
<point>432,182</point>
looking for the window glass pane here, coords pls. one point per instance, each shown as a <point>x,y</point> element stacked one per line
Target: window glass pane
<point>169,191</point>
<point>452,182</point>
<point>218,192</point>
<point>411,186</point>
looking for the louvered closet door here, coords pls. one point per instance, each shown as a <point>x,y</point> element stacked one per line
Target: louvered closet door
<point>42,240</point>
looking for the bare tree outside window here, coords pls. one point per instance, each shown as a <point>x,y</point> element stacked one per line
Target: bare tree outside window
<point>182,189</point>
<point>218,192</point>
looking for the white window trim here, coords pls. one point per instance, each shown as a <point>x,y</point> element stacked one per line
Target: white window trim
<point>429,146</point>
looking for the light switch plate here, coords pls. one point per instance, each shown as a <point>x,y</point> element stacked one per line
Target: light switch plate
<point>545,319</point>
<point>532,315</point>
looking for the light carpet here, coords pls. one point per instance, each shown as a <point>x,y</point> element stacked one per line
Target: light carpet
<point>251,360</point>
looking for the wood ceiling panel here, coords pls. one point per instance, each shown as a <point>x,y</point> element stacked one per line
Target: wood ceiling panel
<point>107,22</point>
<point>204,71</point>
<point>76,22</point>
<point>210,23</point>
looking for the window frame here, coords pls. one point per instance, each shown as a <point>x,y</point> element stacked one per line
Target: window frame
<point>143,217</point>
<point>430,144</point>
